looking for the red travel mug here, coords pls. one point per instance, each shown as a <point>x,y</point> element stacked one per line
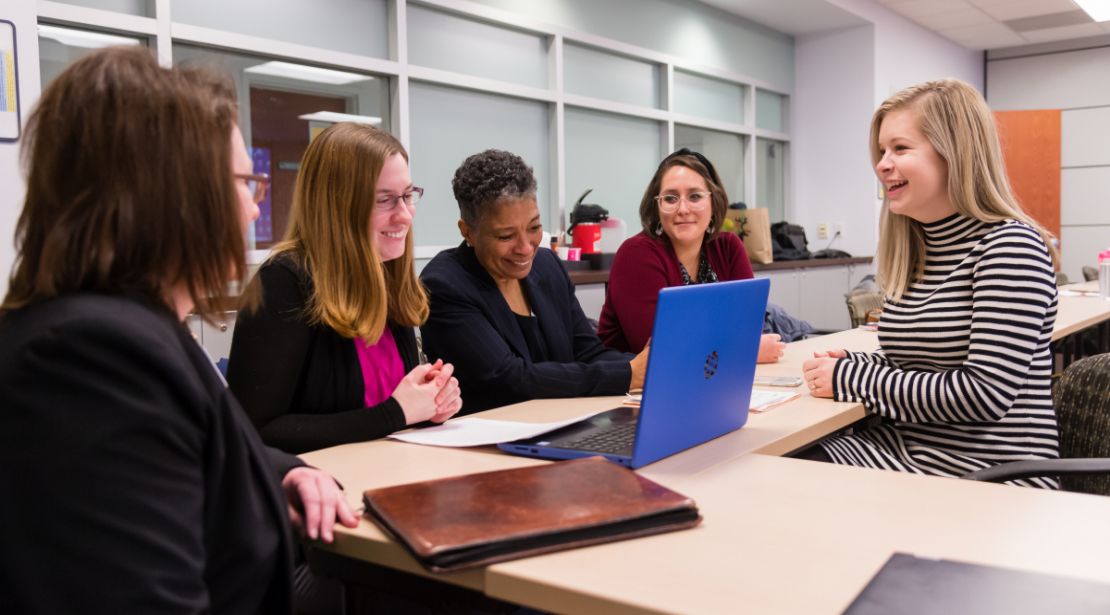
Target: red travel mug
<point>585,236</point>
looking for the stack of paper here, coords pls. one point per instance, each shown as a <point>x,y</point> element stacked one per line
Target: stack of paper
<point>762,399</point>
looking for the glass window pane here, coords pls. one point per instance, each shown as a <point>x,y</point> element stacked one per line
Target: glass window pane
<point>448,125</point>
<point>352,26</point>
<point>142,8</point>
<point>771,177</point>
<point>770,111</point>
<point>272,99</point>
<point>590,72</point>
<point>59,47</point>
<point>709,98</point>
<point>725,150</point>
<point>613,155</point>
<point>448,42</point>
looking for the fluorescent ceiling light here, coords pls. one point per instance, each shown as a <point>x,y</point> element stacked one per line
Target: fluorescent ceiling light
<point>1099,10</point>
<point>307,73</point>
<point>332,116</point>
<point>83,38</point>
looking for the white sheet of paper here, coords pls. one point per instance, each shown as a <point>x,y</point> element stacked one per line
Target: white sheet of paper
<point>473,431</point>
<point>763,399</point>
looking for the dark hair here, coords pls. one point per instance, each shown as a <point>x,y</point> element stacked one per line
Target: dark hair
<point>129,186</point>
<point>649,210</point>
<point>487,177</point>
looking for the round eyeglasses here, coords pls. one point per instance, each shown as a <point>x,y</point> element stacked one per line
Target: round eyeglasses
<point>696,201</point>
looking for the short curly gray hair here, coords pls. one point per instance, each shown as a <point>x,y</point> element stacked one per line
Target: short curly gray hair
<point>487,177</point>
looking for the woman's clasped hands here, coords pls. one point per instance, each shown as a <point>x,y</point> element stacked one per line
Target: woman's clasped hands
<point>429,393</point>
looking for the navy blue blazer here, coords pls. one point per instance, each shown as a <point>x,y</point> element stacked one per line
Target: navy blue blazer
<point>472,326</point>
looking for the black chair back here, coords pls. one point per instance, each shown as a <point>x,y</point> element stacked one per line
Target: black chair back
<point>1082,398</point>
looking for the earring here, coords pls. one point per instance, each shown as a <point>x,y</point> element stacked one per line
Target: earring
<point>709,229</point>
<point>659,229</point>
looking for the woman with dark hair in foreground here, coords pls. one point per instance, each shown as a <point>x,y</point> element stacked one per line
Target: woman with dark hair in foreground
<point>134,482</point>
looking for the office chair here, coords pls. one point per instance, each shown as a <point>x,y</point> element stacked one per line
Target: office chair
<point>1090,274</point>
<point>1082,398</point>
<point>1062,278</point>
<point>860,303</point>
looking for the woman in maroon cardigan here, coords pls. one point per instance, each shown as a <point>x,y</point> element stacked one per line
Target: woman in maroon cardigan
<point>681,212</point>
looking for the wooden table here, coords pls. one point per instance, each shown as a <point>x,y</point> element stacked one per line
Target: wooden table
<point>788,536</point>
<point>780,535</point>
<point>379,463</point>
<point>1086,313</point>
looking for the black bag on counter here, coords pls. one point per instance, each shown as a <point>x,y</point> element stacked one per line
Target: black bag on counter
<point>789,242</point>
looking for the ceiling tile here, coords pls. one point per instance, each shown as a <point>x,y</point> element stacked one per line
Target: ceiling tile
<point>1044,22</point>
<point>954,19</point>
<point>918,8</point>
<point>1062,34</point>
<point>984,36</point>
<point>1003,10</point>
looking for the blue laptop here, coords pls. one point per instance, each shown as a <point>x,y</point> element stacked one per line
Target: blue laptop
<point>699,380</point>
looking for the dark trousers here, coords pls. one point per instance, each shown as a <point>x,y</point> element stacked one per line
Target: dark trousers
<point>812,453</point>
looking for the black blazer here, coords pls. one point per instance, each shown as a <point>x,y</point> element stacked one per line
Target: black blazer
<point>301,384</point>
<point>133,483</point>
<point>472,326</point>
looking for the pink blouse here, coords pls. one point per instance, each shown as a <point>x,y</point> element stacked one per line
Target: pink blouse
<point>382,369</point>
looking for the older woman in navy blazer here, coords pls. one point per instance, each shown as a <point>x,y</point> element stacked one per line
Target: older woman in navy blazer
<point>503,310</point>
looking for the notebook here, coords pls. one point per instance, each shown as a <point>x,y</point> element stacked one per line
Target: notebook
<point>704,346</point>
<point>478,519</point>
<point>913,585</point>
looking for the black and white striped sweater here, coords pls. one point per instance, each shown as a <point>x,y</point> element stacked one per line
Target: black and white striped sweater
<point>963,377</point>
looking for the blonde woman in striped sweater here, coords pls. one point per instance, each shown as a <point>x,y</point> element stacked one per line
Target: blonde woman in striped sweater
<point>962,379</point>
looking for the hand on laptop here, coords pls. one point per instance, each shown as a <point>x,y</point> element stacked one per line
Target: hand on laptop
<point>771,348</point>
<point>639,367</point>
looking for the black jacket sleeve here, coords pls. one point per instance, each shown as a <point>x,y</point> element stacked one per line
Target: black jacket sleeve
<point>269,372</point>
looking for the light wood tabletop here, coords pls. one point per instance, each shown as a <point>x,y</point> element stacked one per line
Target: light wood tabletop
<point>1078,312</point>
<point>783,535</point>
<point>780,535</point>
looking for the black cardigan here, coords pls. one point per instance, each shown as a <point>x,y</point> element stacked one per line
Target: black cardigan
<point>472,326</point>
<point>133,483</point>
<point>302,384</point>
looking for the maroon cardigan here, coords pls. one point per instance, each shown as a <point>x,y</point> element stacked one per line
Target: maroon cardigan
<point>643,266</point>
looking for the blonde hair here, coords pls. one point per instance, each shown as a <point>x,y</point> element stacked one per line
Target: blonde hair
<point>354,292</point>
<point>961,128</point>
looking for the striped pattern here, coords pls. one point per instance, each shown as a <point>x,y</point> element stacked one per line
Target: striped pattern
<point>963,377</point>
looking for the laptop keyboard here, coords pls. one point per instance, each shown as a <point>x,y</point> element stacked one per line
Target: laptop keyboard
<point>615,440</point>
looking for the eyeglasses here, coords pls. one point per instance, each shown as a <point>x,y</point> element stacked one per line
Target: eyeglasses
<point>390,203</point>
<point>696,201</point>
<point>258,184</point>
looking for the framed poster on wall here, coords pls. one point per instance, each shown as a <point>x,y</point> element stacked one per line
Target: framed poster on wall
<point>9,83</point>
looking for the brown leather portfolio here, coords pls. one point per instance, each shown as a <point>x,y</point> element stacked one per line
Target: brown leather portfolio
<point>478,519</point>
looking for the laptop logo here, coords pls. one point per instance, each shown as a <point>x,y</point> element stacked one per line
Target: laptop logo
<point>710,365</point>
